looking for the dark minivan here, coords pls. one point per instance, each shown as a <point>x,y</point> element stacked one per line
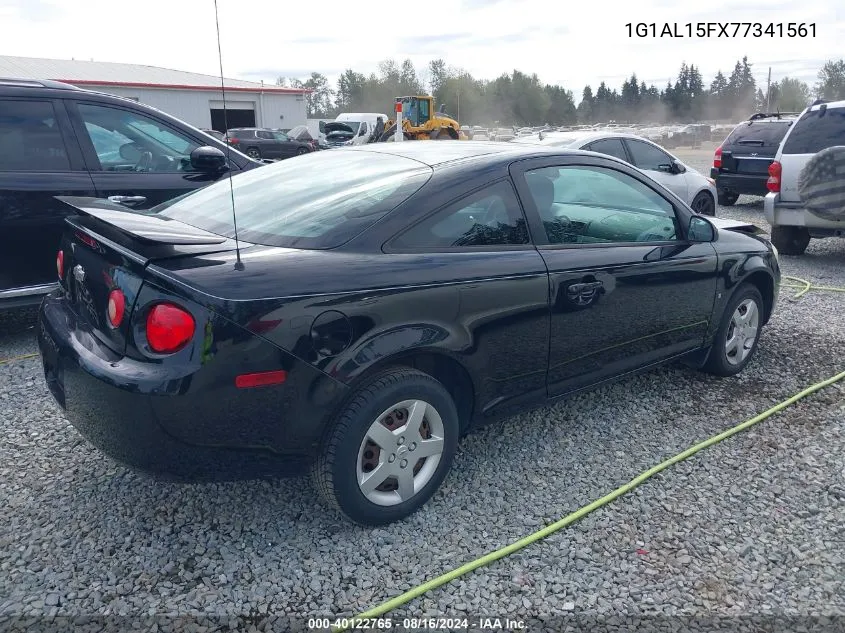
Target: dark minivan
<point>741,163</point>
<point>60,140</point>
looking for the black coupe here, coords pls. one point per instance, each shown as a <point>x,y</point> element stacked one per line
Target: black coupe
<point>379,302</point>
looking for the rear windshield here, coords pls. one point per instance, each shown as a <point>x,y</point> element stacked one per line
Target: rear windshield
<point>755,133</point>
<point>815,132</point>
<point>318,200</point>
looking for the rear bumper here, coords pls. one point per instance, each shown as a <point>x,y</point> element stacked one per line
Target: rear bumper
<point>781,213</point>
<point>107,398</point>
<point>743,184</point>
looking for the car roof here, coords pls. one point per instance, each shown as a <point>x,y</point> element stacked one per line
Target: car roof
<point>36,83</point>
<point>571,139</point>
<point>434,153</point>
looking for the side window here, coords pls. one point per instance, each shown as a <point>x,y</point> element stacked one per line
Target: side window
<point>589,205</point>
<point>609,146</point>
<point>30,139</point>
<point>129,141</point>
<point>648,157</point>
<point>490,217</point>
<point>266,134</point>
<point>424,113</point>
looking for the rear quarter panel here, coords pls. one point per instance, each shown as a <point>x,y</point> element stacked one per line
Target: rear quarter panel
<point>347,314</point>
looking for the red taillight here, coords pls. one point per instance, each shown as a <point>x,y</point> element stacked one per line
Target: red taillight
<point>169,328</point>
<point>60,264</point>
<point>717,159</point>
<point>116,307</point>
<point>260,379</point>
<point>234,141</point>
<point>773,183</point>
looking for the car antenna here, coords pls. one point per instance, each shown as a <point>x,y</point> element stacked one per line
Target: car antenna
<point>239,265</point>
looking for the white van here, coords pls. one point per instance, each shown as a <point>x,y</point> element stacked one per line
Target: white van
<point>353,128</point>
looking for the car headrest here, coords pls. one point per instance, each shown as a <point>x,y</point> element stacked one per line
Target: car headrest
<point>542,190</point>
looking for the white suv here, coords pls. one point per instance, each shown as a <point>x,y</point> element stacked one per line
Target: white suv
<point>820,126</point>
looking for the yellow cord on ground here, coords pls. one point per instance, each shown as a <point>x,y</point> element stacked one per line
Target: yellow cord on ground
<point>584,511</point>
<point>6,361</point>
<point>806,286</point>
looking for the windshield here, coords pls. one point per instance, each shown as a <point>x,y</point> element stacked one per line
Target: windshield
<point>317,201</point>
<point>765,134</point>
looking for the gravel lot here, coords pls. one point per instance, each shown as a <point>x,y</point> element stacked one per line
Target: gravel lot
<point>755,525</point>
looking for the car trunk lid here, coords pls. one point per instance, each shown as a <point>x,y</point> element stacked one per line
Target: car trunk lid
<point>106,249</point>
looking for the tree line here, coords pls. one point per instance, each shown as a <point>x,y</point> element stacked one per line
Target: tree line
<point>522,99</point>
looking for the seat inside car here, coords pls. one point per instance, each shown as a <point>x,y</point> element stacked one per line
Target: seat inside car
<point>543,192</point>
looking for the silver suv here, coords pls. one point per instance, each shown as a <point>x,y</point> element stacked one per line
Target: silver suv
<point>820,126</point>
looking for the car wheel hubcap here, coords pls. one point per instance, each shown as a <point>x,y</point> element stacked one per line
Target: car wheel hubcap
<point>742,332</point>
<point>400,452</point>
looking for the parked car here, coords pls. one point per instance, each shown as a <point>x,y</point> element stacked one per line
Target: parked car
<point>260,143</point>
<point>793,216</point>
<point>300,133</point>
<point>56,139</point>
<point>384,300</point>
<point>218,135</point>
<point>741,162</point>
<point>692,187</point>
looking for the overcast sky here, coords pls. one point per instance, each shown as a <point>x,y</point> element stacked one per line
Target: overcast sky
<point>570,43</point>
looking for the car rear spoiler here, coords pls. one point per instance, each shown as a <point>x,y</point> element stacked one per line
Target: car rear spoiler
<point>152,229</point>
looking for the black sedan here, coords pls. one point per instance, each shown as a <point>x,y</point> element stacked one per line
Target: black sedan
<point>377,303</point>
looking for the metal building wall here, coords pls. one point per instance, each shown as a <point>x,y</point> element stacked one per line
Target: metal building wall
<point>194,106</point>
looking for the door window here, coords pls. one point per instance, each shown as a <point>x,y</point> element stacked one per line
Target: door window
<point>30,139</point>
<point>587,205</point>
<point>424,113</point>
<point>609,146</point>
<point>128,141</point>
<point>490,217</point>
<point>648,156</point>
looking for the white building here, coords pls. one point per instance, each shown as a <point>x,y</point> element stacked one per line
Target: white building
<point>195,98</point>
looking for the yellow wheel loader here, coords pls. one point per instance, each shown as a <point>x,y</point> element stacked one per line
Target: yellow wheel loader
<point>420,122</point>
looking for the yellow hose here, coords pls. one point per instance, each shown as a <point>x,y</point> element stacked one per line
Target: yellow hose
<point>6,361</point>
<point>806,286</point>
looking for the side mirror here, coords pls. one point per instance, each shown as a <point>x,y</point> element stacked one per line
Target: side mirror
<point>322,127</point>
<point>678,167</point>
<point>363,131</point>
<point>700,230</point>
<point>207,158</point>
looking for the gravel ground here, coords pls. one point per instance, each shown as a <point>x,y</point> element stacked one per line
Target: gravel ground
<point>755,525</point>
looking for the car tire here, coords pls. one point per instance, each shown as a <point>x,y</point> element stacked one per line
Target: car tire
<point>704,204</point>
<point>790,240</point>
<point>301,151</point>
<point>727,198</point>
<point>729,355</point>
<point>382,407</point>
<point>254,153</point>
